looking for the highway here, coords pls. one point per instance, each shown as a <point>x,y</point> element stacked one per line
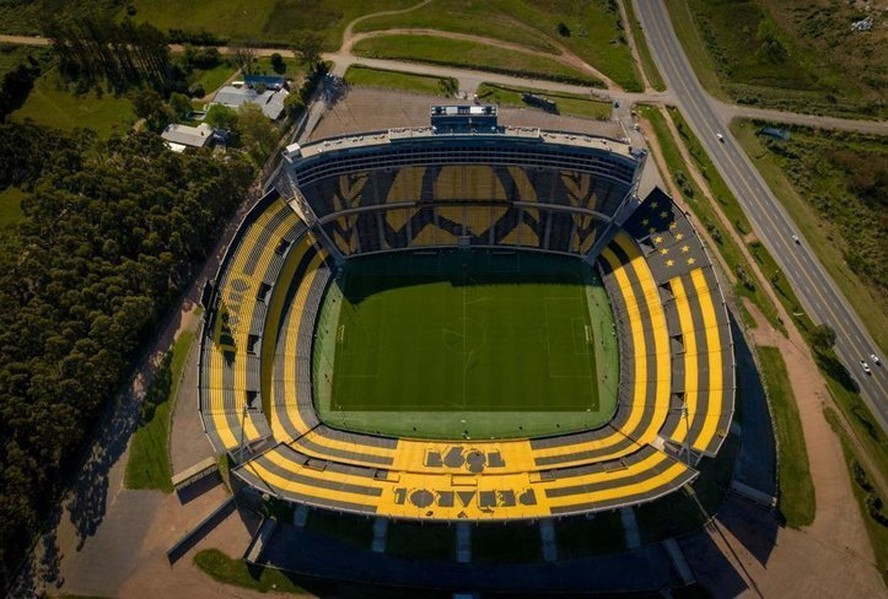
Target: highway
<point>820,297</point>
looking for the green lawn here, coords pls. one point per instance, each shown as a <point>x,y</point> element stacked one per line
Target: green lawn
<point>796,488</point>
<point>834,186</point>
<point>465,54</point>
<point>365,76</point>
<point>212,79</point>
<point>492,344</point>
<point>11,206</point>
<point>234,571</point>
<point>594,31</point>
<point>572,104</point>
<point>51,104</point>
<point>267,21</point>
<point>11,55</point>
<point>149,462</point>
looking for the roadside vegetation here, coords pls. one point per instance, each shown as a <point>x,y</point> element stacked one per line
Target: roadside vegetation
<point>835,184</point>
<point>423,84</point>
<point>149,465</point>
<point>567,104</point>
<point>592,30</point>
<point>235,571</point>
<point>787,54</point>
<point>793,472</point>
<point>873,510</point>
<point>644,52</point>
<point>465,54</point>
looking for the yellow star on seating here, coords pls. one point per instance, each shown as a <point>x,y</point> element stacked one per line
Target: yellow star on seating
<point>658,239</point>
<point>664,251</point>
<point>670,262</point>
<point>678,236</point>
<point>651,230</point>
<point>645,222</point>
<point>691,260</point>
<point>685,249</point>
<point>654,205</point>
<point>664,214</point>
<point>672,225</point>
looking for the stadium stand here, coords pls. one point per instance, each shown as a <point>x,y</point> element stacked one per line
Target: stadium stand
<point>406,189</point>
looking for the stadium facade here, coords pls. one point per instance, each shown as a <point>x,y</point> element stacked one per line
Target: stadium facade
<point>465,182</point>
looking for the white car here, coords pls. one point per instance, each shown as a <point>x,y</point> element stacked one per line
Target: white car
<point>865,367</point>
<point>796,239</point>
<point>720,137</point>
<point>876,360</point>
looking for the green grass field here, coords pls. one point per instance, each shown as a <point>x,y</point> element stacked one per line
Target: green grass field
<point>466,343</point>
<point>594,31</point>
<point>572,104</point>
<point>365,76</point>
<point>52,104</point>
<point>465,54</point>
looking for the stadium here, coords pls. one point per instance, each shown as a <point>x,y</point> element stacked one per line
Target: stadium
<point>465,321</point>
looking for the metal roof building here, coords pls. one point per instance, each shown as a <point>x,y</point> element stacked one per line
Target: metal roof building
<point>179,137</point>
<point>271,102</point>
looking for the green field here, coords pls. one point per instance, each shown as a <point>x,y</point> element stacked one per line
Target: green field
<point>594,30</point>
<point>466,343</point>
<point>568,104</point>
<point>466,54</point>
<point>786,54</point>
<point>365,76</point>
<point>52,104</point>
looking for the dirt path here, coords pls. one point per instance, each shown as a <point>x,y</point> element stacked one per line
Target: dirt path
<point>348,32</point>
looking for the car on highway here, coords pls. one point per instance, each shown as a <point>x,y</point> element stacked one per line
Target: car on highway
<point>876,360</point>
<point>720,137</point>
<point>865,367</point>
<point>796,239</point>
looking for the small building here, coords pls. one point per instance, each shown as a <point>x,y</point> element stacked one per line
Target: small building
<point>178,137</point>
<point>271,102</point>
<point>268,81</point>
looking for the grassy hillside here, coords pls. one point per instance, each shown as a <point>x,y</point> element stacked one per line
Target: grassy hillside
<point>466,54</point>
<point>591,29</point>
<point>789,54</point>
<point>836,187</point>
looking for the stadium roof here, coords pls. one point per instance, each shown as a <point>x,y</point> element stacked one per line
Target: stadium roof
<point>377,138</point>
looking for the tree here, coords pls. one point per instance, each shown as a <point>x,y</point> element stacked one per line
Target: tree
<point>180,104</point>
<point>563,30</point>
<point>258,133</point>
<point>294,105</point>
<point>149,105</point>
<point>823,337</point>
<point>221,117</point>
<point>243,59</point>
<point>308,48</point>
<point>278,64</point>
<point>448,86</point>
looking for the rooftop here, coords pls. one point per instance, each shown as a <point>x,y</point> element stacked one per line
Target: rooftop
<point>271,102</point>
<point>185,135</point>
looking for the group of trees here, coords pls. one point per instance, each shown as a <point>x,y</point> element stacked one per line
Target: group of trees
<point>95,48</point>
<point>113,231</point>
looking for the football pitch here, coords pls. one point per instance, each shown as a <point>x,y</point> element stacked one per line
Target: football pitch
<point>465,344</point>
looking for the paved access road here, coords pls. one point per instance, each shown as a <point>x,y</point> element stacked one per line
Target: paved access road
<point>816,290</point>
